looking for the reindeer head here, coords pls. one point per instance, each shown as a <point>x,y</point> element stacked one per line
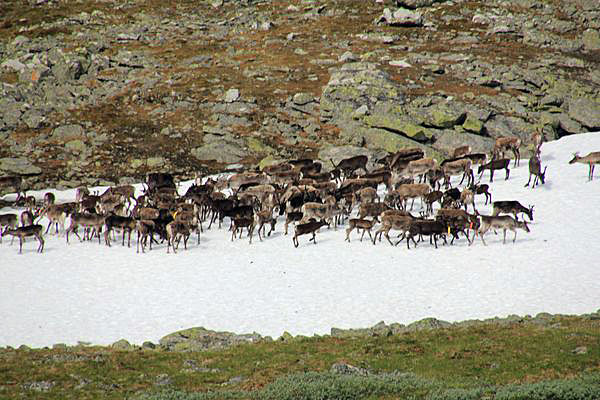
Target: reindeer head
<point>575,158</point>
<point>523,225</point>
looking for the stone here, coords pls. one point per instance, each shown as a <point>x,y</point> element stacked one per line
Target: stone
<point>155,162</point>
<point>13,64</point>
<point>417,3</point>
<point>591,39</point>
<point>473,124</point>
<point>401,17</point>
<point>33,118</point>
<point>400,63</point>
<point>19,165</point>
<point>122,345</point>
<point>301,99</point>
<point>347,369</point>
<point>427,324</point>
<point>585,111</point>
<point>348,57</point>
<point>449,139</point>
<point>231,95</point>
<point>76,146</point>
<point>68,132</point>
<point>444,115</point>
<point>223,152</point>
<point>201,339</point>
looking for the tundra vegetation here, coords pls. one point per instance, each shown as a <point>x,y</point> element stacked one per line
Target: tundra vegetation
<point>546,357</point>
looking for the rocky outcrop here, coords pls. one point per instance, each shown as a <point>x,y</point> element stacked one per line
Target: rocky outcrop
<point>200,339</point>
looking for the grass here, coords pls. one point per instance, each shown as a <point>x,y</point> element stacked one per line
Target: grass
<point>424,363</point>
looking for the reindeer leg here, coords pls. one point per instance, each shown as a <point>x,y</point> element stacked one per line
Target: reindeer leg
<point>504,236</point>
<point>515,238</point>
<point>20,245</point>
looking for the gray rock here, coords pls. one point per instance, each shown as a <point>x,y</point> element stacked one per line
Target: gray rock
<point>347,369</point>
<point>451,139</point>
<point>20,165</point>
<point>591,39</point>
<point>501,125</point>
<point>301,99</point>
<point>231,95</point>
<point>427,324</point>
<point>401,17</point>
<point>586,112</point>
<point>122,345</point>
<point>33,118</point>
<point>348,57</point>
<point>223,152</point>
<point>13,64</point>
<point>200,339</point>
<point>417,3</point>
<point>567,126</point>
<point>68,132</point>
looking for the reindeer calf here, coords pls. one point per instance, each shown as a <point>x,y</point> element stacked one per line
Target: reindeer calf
<point>356,223</point>
<point>306,228</point>
<point>25,231</point>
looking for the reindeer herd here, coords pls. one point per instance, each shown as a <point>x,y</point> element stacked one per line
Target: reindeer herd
<point>298,192</point>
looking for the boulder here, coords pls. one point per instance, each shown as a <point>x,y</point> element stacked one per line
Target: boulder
<point>585,111</point>
<point>231,95</point>
<point>451,139</point>
<point>591,39</point>
<point>19,165</point>
<point>417,3</point>
<point>223,152</point>
<point>201,339</point>
<point>68,132</point>
<point>401,17</point>
<point>444,115</point>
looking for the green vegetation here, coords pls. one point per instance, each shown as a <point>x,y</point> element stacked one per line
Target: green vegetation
<point>558,359</point>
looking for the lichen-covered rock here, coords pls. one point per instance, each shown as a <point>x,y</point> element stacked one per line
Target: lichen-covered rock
<point>401,17</point>
<point>427,324</point>
<point>591,39</point>
<point>445,115</point>
<point>200,339</point>
<point>68,132</point>
<point>417,3</point>
<point>357,84</point>
<point>585,111</point>
<point>223,152</point>
<point>473,124</point>
<point>122,345</point>
<point>451,139</point>
<point>19,165</point>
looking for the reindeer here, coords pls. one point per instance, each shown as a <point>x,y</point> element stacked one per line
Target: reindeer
<point>431,228</point>
<point>467,197</point>
<point>412,191</point>
<point>537,139</point>
<point>504,143</point>
<point>419,168</point>
<point>504,222</point>
<point>49,199</point>
<point>239,224</point>
<point>175,232</point>
<point>56,215</point>
<point>349,165</point>
<point>461,151</point>
<point>393,221</point>
<point>591,159</point>
<point>457,167</point>
<point>477,188</point>
<point>512,207</point>
<point>14,183</point>
<point>7,221</point>
<point>306,228</point>
<point>262,218</point>
<point>356,223</point>
<point>493,166</point>
<point>25,231</point>
<point>535,169</point>
<point>88,221</point>
<point>144,228</point>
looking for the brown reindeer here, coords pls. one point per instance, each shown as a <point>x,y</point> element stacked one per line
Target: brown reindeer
<point>505,143</point>
<point>26,231</point>
<point>591,159</point>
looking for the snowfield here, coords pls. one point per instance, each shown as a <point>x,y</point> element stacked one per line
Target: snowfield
<point>92,293</point>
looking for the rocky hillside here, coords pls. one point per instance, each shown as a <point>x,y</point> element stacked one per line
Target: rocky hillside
<point>104,91</point>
